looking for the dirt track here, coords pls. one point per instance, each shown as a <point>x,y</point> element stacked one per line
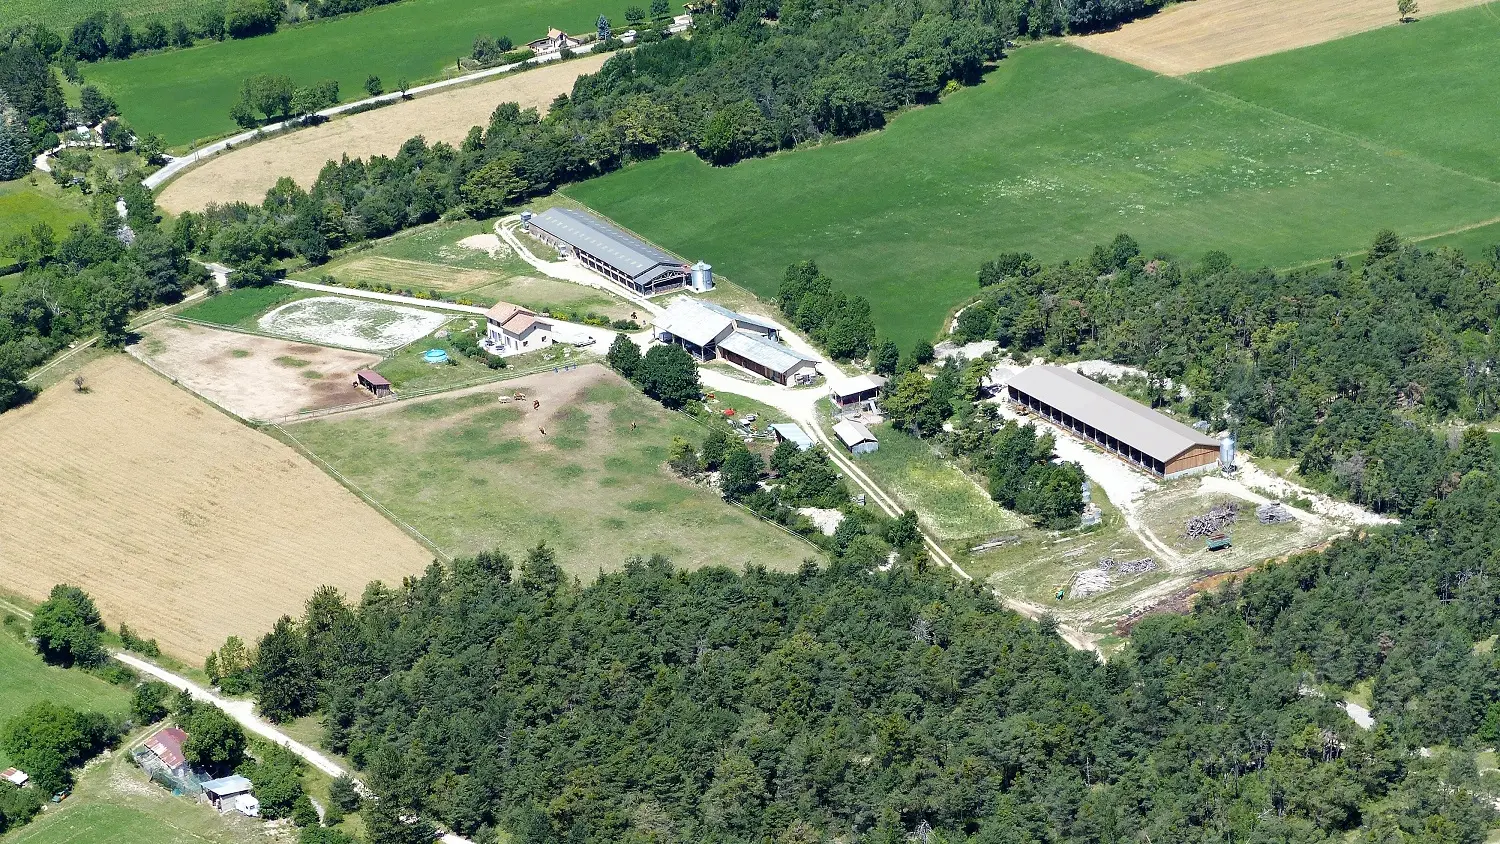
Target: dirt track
<point>1201,34</point>
<point>178,520</point>
<point>247,173</point>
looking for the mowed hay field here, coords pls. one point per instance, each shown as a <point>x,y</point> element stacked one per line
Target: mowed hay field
<point>245,174</point>
<point>60,16</point>
<point>23,206</point>
<point>1194,36</point>
<point>178,520</point>
<point>1058,150</point>
<point>185,95</point>
<point>472,473</point>
<point>28,680</point>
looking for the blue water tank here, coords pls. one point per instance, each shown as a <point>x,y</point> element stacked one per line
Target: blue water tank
<point>702,279</point>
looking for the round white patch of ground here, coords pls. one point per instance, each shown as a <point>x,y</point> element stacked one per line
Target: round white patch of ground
<point>352,323</point>
<point>487,243</point>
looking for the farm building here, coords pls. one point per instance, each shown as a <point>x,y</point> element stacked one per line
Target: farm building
<point>791,432</point>
<point>609,250</point>
<point>166,746</point>
<point>232,794</point>
<point>511,328</point>
<point>372,381</point>
<point>856,437</point>
<point>855,393</point>
<point>1141,436</point>
<point>15,777</point>
<point>555,41</point>
<point>708,332</point>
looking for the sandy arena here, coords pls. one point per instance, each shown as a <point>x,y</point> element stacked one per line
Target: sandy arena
<point>180,521</point>
<point>352,323</point>
<point>244,175</point>
<point>1201,34</point>
<point>258,378</point>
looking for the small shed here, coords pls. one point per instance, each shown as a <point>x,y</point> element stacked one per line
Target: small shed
<point>373,381</point>
<point>853,392</point>
<point>856,437</point>
<point>15,777</point>
<point>232,794</point>
<point>166,746</point>
<point>793,433</point>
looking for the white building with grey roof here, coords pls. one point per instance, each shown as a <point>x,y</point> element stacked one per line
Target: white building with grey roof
<point>713,332</point>
<point>609,250</point>
<point>1137,434</point>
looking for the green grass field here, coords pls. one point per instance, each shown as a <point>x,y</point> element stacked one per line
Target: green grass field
<point>471,473</point>
<point>28,680</point>
<point>23,205</point>
<point>1058,150</point>
<point>61,16</point>
<point>185,95</point>
<point>240,308</point>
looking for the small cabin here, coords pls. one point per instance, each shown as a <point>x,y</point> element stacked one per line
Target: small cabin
<point>373,381</point>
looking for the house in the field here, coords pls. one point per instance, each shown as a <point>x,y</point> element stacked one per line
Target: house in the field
<point>555,41</point>
<point>232,794</point>
<point>166,745</point>
<point>512,328</point>
<point>856,437</point>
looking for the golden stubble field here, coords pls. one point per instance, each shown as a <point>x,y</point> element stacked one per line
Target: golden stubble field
<point>178,520</point>
<point>245,174</point>
<point>1190,37</point>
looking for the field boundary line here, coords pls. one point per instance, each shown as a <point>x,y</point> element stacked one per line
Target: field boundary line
<point>1418,239</point>
<point>415,394</point>
<point>357,490</point>
<point>1359,140</point>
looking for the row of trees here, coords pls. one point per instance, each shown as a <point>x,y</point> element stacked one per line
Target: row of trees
<point>666,373</point>
<point>274,95</point>
<point>836,321</point>
<point>1335,366</point>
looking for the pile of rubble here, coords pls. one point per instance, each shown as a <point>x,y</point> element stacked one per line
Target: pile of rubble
<point>1140,566</point>
<point>1274,513</point>
<point>1214,521</point>
<point>1088,582</point>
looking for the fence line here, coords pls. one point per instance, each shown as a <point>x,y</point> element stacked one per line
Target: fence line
<point>366,497</point>
<point>255,333</point>
<point>501,375</point>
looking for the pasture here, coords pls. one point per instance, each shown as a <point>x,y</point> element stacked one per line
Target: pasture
<point>1058,150</point>
<point>28,680</point>
<point>473,473</point>
<point>1421,92</point>
<point>952,505</point>
<point>186,510</point>
<point>245,174</point>
<point>185,95</point>
<point>242,307</point>
<point>1189,37</point>
<point>61,16</point>
<point>259,378</point>
<point>23,205</point>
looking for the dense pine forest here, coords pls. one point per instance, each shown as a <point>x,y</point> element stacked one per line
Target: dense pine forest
<point>842,703</point>
<point>1344,369</point>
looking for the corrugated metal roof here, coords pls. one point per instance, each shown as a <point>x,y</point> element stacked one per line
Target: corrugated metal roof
<point>230,785</point>
<point>688,319</point>
<point>792,432</point>
<point>1094,404</point>
<point>768,353</point>
<point>604,240</point>
<point>852,433</point>
<point>857,384</point>
<point>739,318</point>
<point>167,743</point>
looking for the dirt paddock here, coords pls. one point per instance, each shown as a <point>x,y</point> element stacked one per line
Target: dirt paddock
<point>255,377</point>
<point>1201,34</point>
<point>179,521</point>
<point>247,173</point>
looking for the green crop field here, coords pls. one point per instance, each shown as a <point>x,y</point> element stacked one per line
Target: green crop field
<point>240,308</point>
<point>185,95</point>
<point>1423,91</point>
<point>23,205</point>
<point>61,16</point>
<point>471,473</point>
<point>28,680</point>
<point>1059,149</point>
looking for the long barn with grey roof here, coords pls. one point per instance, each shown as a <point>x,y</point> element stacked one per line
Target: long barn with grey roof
<point>609,250</point>
<point>1148,439</point>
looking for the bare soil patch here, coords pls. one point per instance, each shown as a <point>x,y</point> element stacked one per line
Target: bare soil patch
<point>178,520</point>
<point>246,174</point>
<point>399,272</point>
<point>255,377</point>
<point>1201,34</point>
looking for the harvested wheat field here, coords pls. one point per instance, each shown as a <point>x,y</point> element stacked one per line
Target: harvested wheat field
<point>178,520</point>
<point>247,173</point>
<point>400,273</point>
<point>1195,36</point>
<point>258,378</point>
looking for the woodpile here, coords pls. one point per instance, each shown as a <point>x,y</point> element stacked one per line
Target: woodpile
<point>1214,521</point>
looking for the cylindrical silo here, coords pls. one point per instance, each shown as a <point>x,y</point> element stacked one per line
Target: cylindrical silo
<point>703,277</point>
